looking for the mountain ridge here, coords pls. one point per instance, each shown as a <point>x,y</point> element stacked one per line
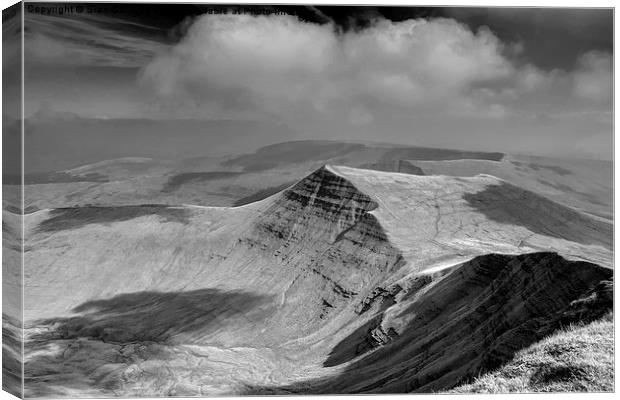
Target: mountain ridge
<point>333,263</point>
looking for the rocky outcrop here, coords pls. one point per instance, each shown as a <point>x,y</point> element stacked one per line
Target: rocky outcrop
<point>381,297</point>
<point>380,336</point>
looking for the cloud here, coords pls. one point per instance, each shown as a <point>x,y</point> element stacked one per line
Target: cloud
<point>85,40</point>
<point>293,70</point>
<point>280,66</point>
<point>244,64</point>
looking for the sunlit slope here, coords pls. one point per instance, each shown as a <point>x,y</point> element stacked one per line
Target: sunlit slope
<point>431,217</point>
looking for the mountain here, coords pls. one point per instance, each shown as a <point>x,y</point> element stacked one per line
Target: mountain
<point>236,179</point>
<point>306,290</point>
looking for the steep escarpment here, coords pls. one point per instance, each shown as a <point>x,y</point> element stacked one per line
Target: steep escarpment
<point>324,229</point>
<point>322,195</point>
<point>472,320</point>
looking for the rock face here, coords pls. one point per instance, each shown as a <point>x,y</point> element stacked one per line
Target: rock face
<point>371,281</point>
<point>380,297</point>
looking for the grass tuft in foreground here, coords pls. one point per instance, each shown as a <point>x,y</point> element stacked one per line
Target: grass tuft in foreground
<point>578,358</point>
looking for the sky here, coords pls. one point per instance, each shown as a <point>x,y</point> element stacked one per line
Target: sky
<point>523,80</point>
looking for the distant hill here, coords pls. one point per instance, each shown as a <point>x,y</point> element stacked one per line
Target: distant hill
<point>54,144</point>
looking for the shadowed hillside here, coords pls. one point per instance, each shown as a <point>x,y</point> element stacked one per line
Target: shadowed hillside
<point>470,321</point>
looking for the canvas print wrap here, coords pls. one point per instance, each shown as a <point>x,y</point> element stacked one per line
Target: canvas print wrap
<point>205,200</point>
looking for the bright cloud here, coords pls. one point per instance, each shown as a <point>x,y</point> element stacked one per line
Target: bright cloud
<point>297,71</point>
<point>281,63</point>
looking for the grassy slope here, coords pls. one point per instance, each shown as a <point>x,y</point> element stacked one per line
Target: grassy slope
<point>577,359</point>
